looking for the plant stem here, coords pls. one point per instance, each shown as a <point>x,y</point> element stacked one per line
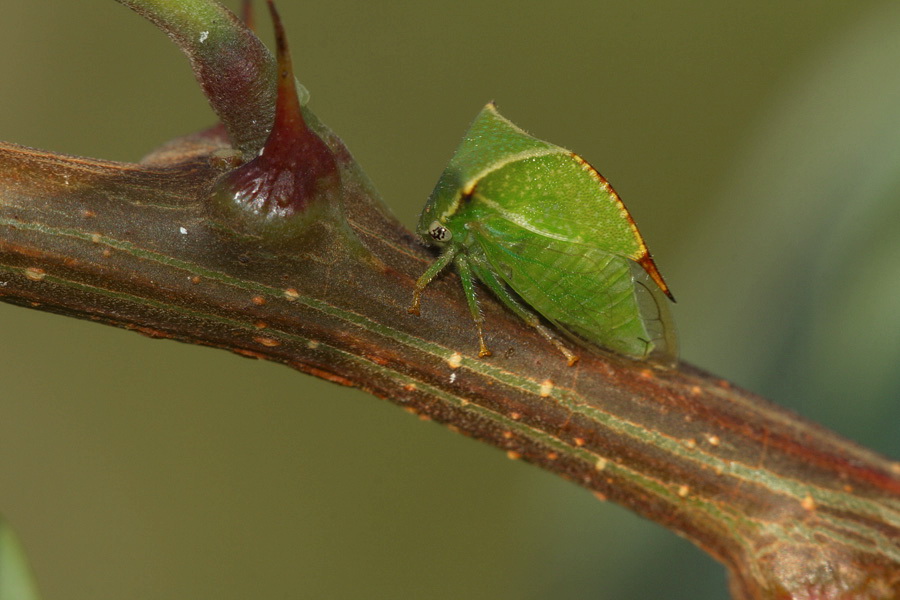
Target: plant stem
<point>792,509</point>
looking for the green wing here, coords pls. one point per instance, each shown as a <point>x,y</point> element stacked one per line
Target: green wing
<point>601,297</point>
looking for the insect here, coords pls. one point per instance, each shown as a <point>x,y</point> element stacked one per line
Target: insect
<point>547,234</point>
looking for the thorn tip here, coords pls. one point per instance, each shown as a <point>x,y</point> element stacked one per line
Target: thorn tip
<point>247,15</point>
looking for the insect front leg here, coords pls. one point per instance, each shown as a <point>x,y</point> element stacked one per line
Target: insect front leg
<point>468,283</point>
<point>486,274</point>
<point>436,267</point>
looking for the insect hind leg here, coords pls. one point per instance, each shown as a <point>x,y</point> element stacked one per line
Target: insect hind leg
<point>501,290</point>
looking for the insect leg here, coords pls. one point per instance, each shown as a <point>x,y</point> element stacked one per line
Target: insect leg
<point>499,288</point>
<point>468,283</point>
<point>436,267</point>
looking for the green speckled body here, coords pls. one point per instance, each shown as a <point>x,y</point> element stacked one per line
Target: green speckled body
<point>526,216</point>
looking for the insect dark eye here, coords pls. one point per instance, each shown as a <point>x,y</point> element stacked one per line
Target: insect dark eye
<point>439,232</point>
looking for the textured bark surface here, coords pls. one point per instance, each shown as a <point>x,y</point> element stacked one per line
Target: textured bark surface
<point>793,510</point>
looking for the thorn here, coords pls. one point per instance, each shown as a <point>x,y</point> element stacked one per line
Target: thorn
<point>295,168</point>
<point>247,15</point>
<point>287,104</point>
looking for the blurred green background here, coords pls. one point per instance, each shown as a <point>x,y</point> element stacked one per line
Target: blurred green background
<point>756,143</point>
